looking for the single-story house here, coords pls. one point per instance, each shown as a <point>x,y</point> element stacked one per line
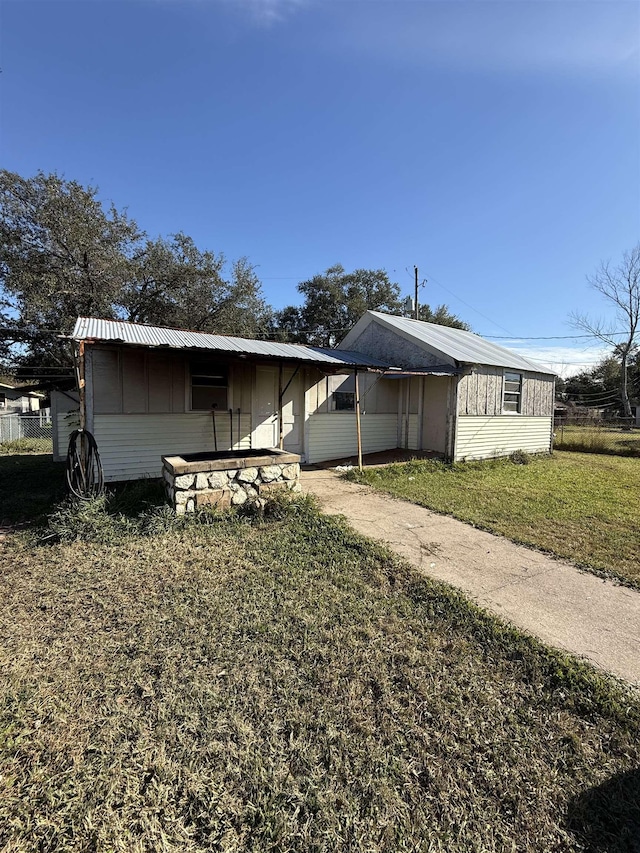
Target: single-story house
<point>149,392</point>
<point>18,401</point>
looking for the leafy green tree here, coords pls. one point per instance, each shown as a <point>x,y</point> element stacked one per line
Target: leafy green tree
<point>286,325</point>
<point>620,286</point>
<point>173,283</point>
<point>442,316</point>
<point>595,388</point>
<point>334,301</point>
<point>62,254</point>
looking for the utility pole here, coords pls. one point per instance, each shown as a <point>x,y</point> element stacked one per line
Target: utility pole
<point>415,308</point>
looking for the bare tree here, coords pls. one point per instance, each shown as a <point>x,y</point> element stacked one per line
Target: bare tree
<point>619,284</point>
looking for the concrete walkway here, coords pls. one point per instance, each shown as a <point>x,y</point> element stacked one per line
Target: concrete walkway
<point>572,610</point>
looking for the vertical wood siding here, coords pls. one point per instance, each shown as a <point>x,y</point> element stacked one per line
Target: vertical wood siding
<point>333,435</point>
<point>486,437</point>
<point>480,393</point>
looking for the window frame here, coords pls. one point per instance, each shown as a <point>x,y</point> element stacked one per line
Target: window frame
<point>508,376</point>
<point>343,394</point>
<point>217,372</point>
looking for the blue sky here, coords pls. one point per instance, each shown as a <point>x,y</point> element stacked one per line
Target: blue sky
<point>494,144</point>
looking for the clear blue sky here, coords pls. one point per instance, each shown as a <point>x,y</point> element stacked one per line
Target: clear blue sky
<point>494,144</point>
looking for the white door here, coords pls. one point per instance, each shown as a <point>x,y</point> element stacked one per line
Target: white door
<point>292,410</point>
<point>265,408</point>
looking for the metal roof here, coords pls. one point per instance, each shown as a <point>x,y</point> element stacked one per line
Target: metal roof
<point>119,331</point>
<point>459,345</point>
<point>438,370</point>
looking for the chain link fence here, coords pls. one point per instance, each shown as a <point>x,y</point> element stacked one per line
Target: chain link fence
<point>33,431</point>
<point>616,436</point>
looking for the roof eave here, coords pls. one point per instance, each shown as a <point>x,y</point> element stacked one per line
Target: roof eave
<point>334,366</point>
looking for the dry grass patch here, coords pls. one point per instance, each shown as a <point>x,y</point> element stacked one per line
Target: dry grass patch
<point>594,439</point>
<point>285,685</point>
<point>583,507</point>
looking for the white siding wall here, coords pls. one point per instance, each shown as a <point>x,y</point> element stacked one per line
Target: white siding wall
<point>485,437</point>
<point>65,423</point>
<point>130,446</point>
<point>331,436</point>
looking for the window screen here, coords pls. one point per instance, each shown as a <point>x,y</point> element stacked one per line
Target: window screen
<point>344,401</point>
<point>512,392</point>
<point>209,386</point>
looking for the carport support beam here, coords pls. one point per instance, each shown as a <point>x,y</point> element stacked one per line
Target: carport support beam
<point>357,385</point>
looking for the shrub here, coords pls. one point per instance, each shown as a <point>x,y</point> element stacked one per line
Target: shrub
<point>520,457</point>
<point>138,509</point>
<point>89,521</point>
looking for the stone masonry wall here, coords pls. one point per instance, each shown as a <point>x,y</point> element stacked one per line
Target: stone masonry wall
<point>234,486</point>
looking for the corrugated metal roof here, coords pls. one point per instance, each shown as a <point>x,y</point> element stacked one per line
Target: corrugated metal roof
<point>118,331</point>
<point>439,370</point>
<point>460,345</point>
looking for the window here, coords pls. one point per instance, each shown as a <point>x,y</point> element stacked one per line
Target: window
<point>344,401</point>
<point>3,401</point>
<point>512,392</point>
<point>209,384</point>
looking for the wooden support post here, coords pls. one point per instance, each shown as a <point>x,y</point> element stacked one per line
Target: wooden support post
<point>82,395</point>
<point>81,386</point>
<point>420,411</point>
<point>280,418</point>
<point>357,384</point>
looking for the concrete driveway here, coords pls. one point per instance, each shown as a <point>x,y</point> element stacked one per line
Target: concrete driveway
<point>573,610</point>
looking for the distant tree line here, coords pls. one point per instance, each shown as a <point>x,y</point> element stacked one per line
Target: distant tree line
<point>64,254</point>
<point>599,388</point>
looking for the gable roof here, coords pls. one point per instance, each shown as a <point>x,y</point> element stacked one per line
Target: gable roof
<point>118,331</point>
<point>448,343</point>
<point>19,390</point>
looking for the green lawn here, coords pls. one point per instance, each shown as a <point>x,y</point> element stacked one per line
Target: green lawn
<point>282,684</point>
<point>585,507</point>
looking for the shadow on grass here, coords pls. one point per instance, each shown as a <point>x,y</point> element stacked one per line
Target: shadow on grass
<point>30,486</point>
<point>608,817</point>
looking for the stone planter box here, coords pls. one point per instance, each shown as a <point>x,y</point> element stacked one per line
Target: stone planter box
<point>229,478</point>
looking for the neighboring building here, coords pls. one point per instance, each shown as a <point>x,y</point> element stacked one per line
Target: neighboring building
<point>16,401</point>
<point>152,392</point>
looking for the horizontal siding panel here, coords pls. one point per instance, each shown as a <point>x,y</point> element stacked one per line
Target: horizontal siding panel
<point>485,437</point>
<point>333,435</point>
<point>131,446</point>
<point>66,423</point>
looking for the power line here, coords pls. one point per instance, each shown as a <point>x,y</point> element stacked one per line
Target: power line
<point>515,338</point>
<point>599,396</point>
<point>605,401</point>
<point>489,319</point>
